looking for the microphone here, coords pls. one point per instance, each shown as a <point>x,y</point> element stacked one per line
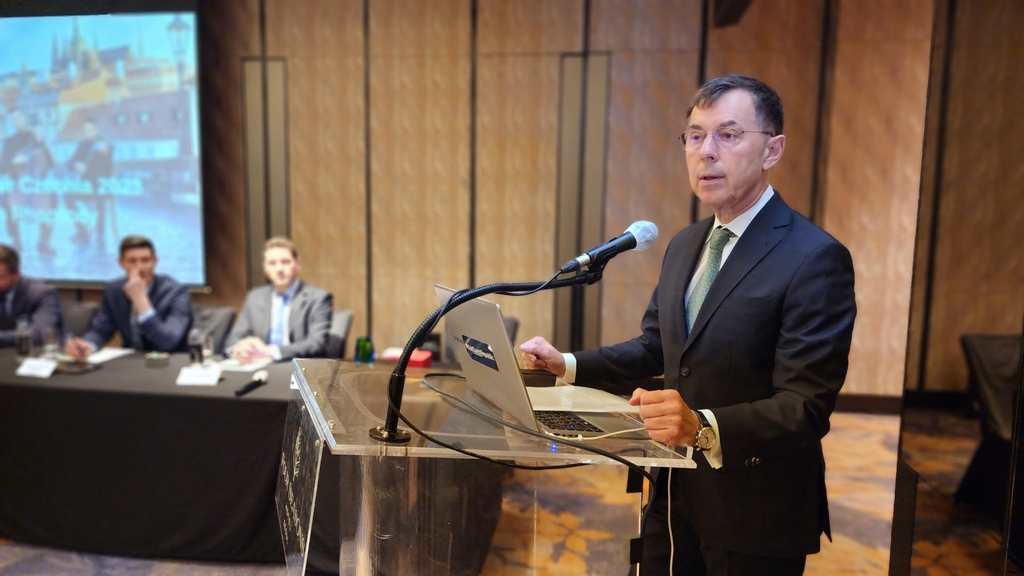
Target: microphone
<point>639,236</point>
<point>258,379</point>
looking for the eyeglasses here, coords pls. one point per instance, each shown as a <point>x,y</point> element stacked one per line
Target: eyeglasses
<point>725,138</point>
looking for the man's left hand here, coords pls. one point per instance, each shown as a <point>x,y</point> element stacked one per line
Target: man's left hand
<point>668,419</point>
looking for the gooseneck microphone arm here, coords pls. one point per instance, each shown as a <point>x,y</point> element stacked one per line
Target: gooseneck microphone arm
<point>589,268</point>
<point>389,432</point>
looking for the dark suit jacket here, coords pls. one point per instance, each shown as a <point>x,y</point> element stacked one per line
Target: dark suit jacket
<point>37,301</point>
<point>768,355</point>
<point>166,332</point>
<point>309,320</point>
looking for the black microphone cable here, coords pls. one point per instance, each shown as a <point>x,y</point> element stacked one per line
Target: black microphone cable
<point>466,407</point>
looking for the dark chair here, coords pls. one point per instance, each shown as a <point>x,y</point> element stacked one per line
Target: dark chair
<point>77,316</point>
<point>449,357</point>
<point>994,377</point>
<point>213,321</point>
<point>341,324</point>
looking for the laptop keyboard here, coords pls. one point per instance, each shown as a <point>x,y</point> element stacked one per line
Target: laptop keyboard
<point>566,421</point>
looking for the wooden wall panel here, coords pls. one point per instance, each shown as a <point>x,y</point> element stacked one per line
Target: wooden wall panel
<point>655,50</point>
<point>419,158</point>
<point>228,31</point>
<point>529,27</point>
<point>517,129</point>
<point>873,176</point>
<point>322,43</point>
<point>979,266</point>
<point>790,63</point>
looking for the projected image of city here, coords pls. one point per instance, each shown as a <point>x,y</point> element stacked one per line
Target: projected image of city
<point>99,139</point>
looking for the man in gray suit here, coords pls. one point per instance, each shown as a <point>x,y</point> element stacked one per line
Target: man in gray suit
<point>285,319</point>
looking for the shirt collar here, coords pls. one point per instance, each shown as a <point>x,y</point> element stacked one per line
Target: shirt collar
<point>740,223</point>
<point>289,294</point>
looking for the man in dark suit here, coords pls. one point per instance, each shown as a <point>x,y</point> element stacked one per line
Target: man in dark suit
<point>750,324</point>
<point>285,319</point>
<point>23,297</point>
<point>150,311</point>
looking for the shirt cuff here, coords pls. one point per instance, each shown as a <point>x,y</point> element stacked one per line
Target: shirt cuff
<point>146,316</point>
<point>713,456</point>
<point>275,351</point>
<point>570,369</point>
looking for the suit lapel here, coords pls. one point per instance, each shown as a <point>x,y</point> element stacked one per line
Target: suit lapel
<point>763,234</point>
<point>690,252</point>
<point>298,303</point>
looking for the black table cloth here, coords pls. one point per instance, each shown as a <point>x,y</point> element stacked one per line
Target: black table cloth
<point>123,461</point>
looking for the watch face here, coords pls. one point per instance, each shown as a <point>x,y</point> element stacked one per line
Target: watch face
<point>706,438</point>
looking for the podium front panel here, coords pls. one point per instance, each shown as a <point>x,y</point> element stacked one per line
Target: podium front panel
<point>297,478</point>
<point>423,509</point>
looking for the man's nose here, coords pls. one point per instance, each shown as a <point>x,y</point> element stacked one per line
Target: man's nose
<point>709,147</point>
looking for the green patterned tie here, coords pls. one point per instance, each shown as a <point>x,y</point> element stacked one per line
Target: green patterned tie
<point>719,238</point>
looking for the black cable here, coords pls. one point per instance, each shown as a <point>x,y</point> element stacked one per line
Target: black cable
<point>548,437</point>
<point>537,289</point>
<point>448,397</point>
<point>474,454</point>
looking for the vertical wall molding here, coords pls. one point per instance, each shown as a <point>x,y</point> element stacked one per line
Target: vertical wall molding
<point>570,149</point>
<point>368,174</point>
<point>819,177</point>
<point>264,111</point>
<point>936,194</point>
<point>592,201</point>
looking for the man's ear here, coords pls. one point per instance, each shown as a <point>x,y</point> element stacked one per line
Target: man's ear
<point>773,152</point>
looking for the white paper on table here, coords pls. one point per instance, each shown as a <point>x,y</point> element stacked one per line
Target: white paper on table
<point>36,367</point>
<point>232,365</point>
<point>102,355</point>
<point>578,399</point>
<point>198,376</point>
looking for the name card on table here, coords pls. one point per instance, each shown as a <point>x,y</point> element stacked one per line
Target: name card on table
<point>36,367</point>
<point>198,376</point>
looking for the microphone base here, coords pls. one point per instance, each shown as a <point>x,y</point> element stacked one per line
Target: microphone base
<point>397,437</point>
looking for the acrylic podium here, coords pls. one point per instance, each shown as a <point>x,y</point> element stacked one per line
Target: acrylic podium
<point>415,508</point>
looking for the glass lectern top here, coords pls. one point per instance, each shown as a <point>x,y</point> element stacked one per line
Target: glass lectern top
<point>346,400</point>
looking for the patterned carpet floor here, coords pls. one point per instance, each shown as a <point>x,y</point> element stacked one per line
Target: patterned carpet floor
<point>585,517</point>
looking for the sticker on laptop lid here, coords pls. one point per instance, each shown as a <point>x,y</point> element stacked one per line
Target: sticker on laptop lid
<point>480,351</point>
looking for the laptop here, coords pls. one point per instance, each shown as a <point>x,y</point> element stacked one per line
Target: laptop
<point>492,371</point>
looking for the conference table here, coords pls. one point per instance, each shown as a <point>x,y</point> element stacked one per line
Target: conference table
<point>122,461</point>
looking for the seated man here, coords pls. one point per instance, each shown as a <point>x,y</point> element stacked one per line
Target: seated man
<point>150,311</point>
<point>286,319</point>
<point>23,297</point>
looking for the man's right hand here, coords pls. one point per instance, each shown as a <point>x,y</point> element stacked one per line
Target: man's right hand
<point>78,348</point>
<point>538,354</point>
<point>248,350</point>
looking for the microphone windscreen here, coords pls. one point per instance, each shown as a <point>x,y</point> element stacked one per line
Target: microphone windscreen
<point>260,375</point>
<point>645,233</point>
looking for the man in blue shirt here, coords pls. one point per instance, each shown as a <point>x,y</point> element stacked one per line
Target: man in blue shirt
<point>150,311</point>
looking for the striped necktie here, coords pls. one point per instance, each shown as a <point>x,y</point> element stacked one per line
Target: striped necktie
<point>719,238</point>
